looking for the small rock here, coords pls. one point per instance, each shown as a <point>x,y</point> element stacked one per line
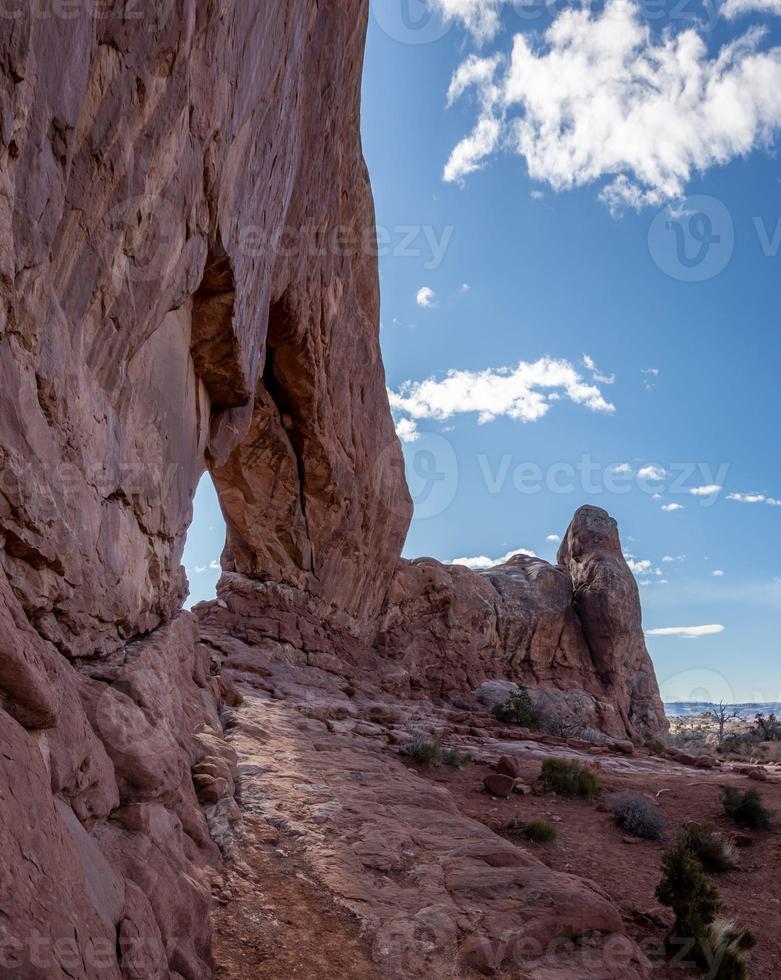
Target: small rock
<point>523,788</point>
<point>499,785</point>
<point>625,747</point>
<point>758,773</point>
<point>742,841</point>
<point>508,766</point>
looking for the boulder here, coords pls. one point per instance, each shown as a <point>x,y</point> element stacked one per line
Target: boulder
<point>499,785</point>
<point>507,766</point>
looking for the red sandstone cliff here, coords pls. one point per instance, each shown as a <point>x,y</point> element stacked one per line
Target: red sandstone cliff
<point>178,184</point>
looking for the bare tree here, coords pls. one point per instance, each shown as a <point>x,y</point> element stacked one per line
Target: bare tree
<point>724,713</point>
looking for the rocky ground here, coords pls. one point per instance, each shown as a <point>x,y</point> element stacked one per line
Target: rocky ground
<point>352,860</point>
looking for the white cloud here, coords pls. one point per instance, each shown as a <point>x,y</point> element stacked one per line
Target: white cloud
<point>465,287</point>
<point>707,491</point>
<point>407,430</point>
<point>555,538</point>
<point>523,393</point>
<point>215,566</point>
<point>639,567</point>
<point>482,562</point>
<point>670,508</point>
<point>736,8</point>
<point>480,17</point>
<point>622,468</point>
<point>653,371</point>
<point>754,498</point>
<point>688,632</point>
<point>717,572</point>
<point>596,374</point>
<point>670,558</point>
<point>652,473</point>
<point>602,99</point>
<point>426,297</point>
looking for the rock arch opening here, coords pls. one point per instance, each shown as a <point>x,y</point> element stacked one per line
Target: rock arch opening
<point>205,541</point>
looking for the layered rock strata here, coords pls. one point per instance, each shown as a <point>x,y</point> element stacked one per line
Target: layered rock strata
<point>187,280</point>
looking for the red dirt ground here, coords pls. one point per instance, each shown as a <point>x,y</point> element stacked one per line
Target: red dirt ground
<point>590,845</point>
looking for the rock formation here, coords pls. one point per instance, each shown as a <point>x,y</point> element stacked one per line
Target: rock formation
<point>188,281</point>
<point>176,177</point>
<point>571,631</point>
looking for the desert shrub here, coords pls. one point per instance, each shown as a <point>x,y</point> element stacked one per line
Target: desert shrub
<point>428,752</point>
<point>539,831</point>
<point>728,946</point>
<point>424,751</point>
<point>518,709</point>
<point>656,744</point>
<point>685,888</point>
<point>637,816</point>
<point>568,777</point>
<point>593,735</point>
<point>745,809</point>
<point>767,728</point>
<point>714,852</point>
<point>454,758</point>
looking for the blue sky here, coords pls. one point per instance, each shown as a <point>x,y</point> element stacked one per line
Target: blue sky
<point>587,309</point>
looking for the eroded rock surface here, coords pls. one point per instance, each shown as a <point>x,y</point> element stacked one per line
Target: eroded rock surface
<point>187,281</point>
<point>438,894</point>
<point>572,631</point>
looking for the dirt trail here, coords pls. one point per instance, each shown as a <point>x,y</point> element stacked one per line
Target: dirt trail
<point>273,921</point>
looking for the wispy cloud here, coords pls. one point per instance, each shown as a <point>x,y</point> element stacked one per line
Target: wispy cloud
<point>554,538</point>
<point>737,8</point>
<point>480,17</point>
<point>482,562</point>
<point>706,491</point>
<point>754,498</point>
<point>671,508</point>
<point>524,393</point>
<point>687,632</point>
<point>602,98</point>
<point>652,472</point>
<point>596,375</point>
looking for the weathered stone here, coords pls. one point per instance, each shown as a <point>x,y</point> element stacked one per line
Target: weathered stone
<point>499,785</point>
<point>578,623</point>
<point>508,766</point>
